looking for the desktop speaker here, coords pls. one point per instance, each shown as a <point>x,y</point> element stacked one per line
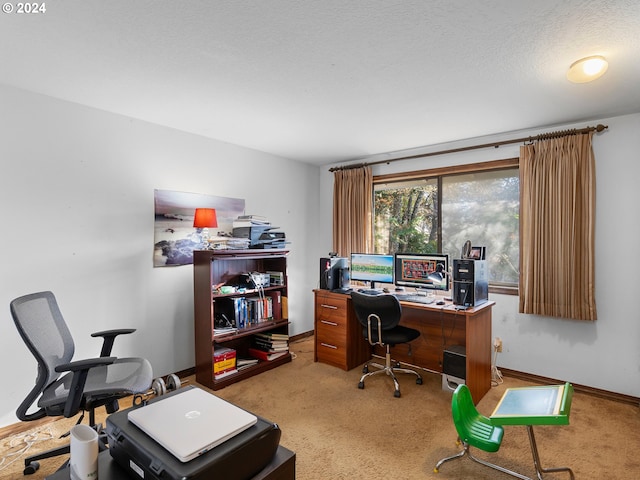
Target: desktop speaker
<point>470,282</point>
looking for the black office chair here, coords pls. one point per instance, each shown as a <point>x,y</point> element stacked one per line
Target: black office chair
<point>65,387</point>
<point>380,317</point>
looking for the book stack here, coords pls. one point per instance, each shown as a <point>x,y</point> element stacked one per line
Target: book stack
<point>250,221</point>
<point>269,346</point>
<point>247,311</point>
<point>243,363</point>
<point>224,362</point>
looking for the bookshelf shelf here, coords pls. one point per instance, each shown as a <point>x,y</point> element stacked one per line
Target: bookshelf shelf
<point>215,267</point>
<point>243,332</point>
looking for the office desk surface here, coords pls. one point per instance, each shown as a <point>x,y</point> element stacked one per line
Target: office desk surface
<point>539,405</point>
<point>448,307</point>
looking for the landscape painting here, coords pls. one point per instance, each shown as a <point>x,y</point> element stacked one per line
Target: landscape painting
<point>175,238</point>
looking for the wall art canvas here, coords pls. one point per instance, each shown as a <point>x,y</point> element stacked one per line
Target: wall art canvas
<point>175,238</point>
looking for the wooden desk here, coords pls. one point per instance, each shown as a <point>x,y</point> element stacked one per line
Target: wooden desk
<point>339,339</point>
<point>539,405</point>
<point>282,467</point>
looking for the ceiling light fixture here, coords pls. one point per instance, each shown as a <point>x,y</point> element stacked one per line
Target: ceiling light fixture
<point>587,69</point>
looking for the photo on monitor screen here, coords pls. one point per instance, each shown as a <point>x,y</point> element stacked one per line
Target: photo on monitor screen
<point>369,267</point>
<point>422,270</point>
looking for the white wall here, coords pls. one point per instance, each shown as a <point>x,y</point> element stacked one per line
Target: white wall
<point>604,354</point>
<point>77,218</point>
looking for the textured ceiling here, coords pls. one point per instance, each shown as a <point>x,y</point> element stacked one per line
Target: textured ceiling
<point>330,80</point>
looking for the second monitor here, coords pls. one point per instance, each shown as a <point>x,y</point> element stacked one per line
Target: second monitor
<point>372,268</point>
<point>422,270</point>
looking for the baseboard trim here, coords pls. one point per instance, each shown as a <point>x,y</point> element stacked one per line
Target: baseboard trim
<point>302,336</point>
<point>528,377</point>
<point>596,392</point>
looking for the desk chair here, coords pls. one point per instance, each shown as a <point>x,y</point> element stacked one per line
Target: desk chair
<point>380,317</point>
<point>64,387</point>
<point>475,430</point>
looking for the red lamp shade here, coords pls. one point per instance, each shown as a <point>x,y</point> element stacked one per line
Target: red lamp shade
<point>205,218</point>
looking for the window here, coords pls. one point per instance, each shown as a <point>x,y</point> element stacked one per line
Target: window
<point>429,212</point>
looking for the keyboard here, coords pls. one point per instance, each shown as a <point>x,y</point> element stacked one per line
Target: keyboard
<point>416,299</point>
<point>367,291</point>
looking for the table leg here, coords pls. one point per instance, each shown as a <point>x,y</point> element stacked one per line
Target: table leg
<point>536,458</point>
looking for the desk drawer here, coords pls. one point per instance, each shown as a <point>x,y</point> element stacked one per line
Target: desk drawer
<point>331,311</point>
<point>330,332</point>
<point>331,346</point>
<point>332,355</point>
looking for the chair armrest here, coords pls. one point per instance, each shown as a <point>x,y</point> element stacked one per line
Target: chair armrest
<point>80,365</point>
<point>109,337</point>
<point>80,369</point>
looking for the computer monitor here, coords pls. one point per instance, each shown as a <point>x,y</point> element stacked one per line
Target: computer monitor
<point>422,270</point>
<point>371,267</point>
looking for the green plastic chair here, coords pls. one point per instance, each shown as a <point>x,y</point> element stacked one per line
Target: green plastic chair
<point>474,430</point>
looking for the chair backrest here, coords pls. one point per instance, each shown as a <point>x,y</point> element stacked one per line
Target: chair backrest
<point>472,427</point>
<point>386,307</point>
<point>44,331</point>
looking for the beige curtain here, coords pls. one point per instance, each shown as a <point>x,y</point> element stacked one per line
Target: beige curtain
<point>352,211</point>
<point>557,206</point>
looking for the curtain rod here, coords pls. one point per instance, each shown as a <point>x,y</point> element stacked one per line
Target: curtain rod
<point>542,136</point>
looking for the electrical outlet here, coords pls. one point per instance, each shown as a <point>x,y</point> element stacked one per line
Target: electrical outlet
<point>497,343</point>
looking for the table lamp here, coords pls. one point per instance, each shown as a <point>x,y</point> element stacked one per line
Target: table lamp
<point>204,219</point>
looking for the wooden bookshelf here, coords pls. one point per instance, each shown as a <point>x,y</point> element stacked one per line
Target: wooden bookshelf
<point>213,267</point>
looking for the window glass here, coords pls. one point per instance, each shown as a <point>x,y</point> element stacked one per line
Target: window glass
<point>406,217</point>
<point>484,207</point>
<point>438,214</point>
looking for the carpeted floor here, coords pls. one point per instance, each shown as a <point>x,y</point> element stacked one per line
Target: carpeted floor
<point>341,432</point>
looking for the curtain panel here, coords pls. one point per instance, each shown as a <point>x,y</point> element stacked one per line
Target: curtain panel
<point>557,228</point>
<point>352,211</point>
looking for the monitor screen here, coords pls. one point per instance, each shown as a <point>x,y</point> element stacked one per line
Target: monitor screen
<point>422,270</point>
<point>371,267</point>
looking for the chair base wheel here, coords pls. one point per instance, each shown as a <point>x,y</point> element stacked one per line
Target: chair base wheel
<point>396,394</point>
<point>31,468</point>
<point>419,381</point>
<point>365,369</point>
<point>361,385</point>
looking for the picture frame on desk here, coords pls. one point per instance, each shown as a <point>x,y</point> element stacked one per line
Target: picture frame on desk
<point>477,253</point>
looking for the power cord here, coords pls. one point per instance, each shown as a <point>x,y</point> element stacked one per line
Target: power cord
<point>19,445</point>
<point>496,375</point>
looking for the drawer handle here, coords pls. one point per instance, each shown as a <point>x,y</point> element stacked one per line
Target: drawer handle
<point>329,346</point>
<point>324,305</point>
<point>326,322</point>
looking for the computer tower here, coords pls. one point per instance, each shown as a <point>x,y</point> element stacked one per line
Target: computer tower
<point>470,282</point>
<point>454,367</point>
<point>334,273</point>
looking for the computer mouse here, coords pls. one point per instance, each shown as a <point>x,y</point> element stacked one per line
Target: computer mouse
<point>385,290</point>
<point>440,302</point>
